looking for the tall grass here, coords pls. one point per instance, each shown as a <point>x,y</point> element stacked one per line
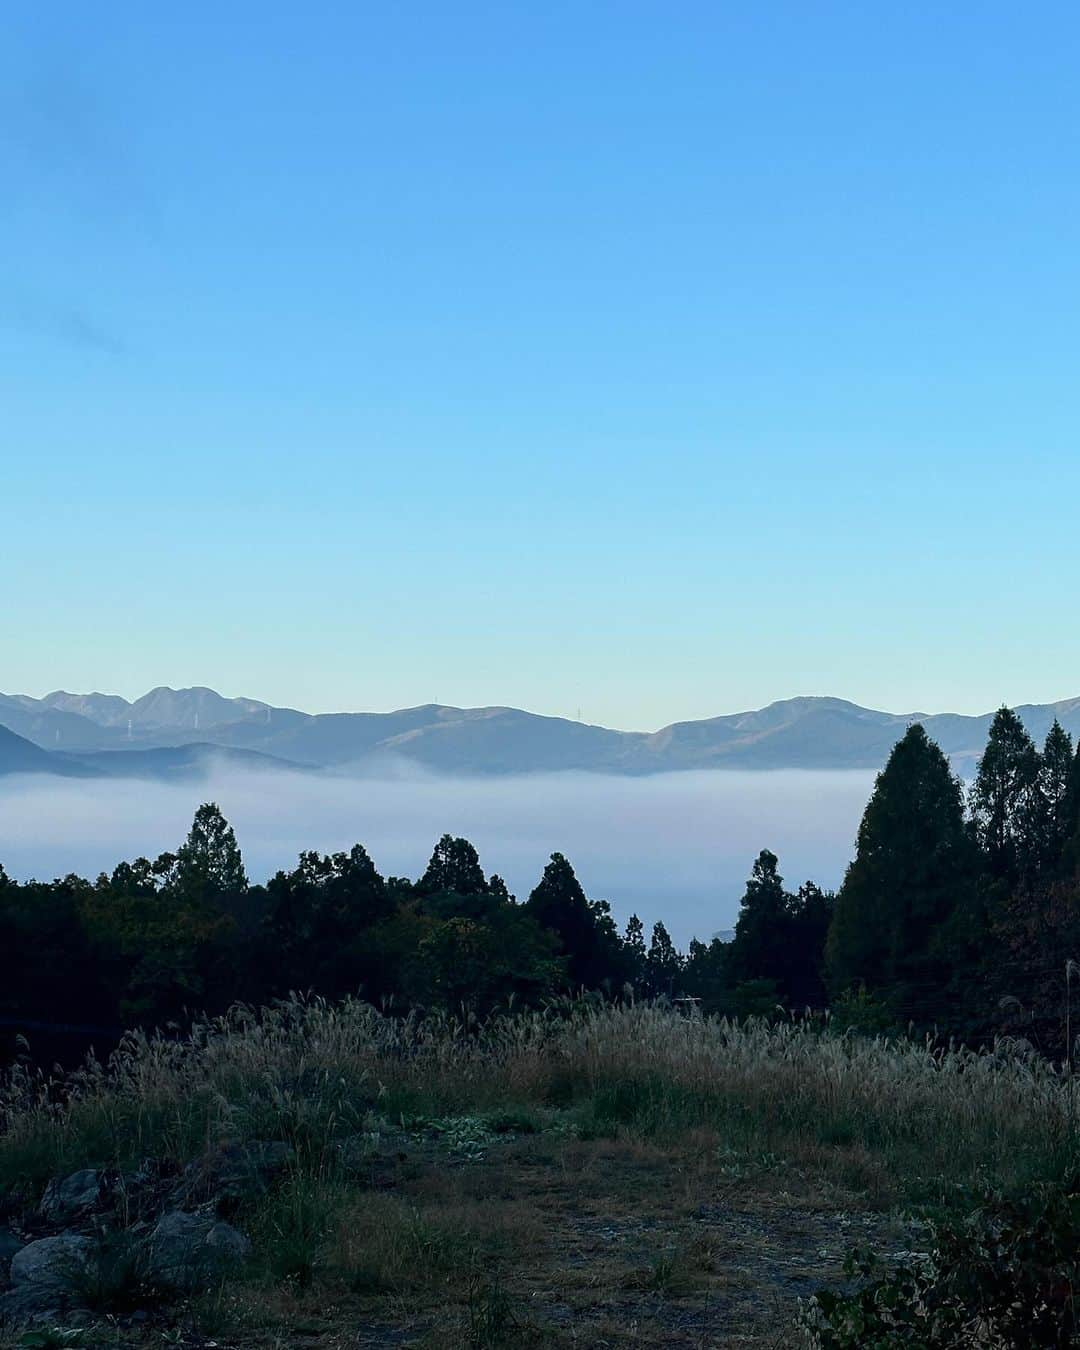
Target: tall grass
<point>313,1073</point>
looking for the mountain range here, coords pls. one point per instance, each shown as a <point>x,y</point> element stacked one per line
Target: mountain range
<point>171,733</point>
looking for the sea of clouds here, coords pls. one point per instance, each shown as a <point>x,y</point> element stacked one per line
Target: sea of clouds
<point>676,847</point>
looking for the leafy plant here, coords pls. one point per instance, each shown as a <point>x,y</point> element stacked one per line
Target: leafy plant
<point>1004,1275</point>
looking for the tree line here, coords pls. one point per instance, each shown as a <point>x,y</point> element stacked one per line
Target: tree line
<point>960,911</point>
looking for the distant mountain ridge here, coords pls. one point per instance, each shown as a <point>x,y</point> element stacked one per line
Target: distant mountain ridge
<point>797,733</point>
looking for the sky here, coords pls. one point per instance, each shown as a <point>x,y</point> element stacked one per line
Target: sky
<point>644,361</point>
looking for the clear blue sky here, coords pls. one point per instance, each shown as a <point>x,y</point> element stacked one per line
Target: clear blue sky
<point>656,360</point>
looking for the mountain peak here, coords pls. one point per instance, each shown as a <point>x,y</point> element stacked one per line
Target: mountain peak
<point>804,732</point>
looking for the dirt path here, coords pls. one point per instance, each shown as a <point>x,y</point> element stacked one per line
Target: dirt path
<point>624,1244</point>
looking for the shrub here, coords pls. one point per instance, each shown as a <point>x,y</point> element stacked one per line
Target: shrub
<point>1004,1276</point>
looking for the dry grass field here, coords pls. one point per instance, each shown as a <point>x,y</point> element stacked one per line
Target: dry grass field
<point>589,1176</point>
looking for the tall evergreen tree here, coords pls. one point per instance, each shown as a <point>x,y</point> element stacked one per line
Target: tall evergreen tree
<point>635,952</point>
<point>663,962</point>
<point>912,872</point>
<point>208,864</point>
<point>804,976</point>
<point>1055,775</point>
<point>761,930</point>
<point>587,936</point>
<point>1005,799</point>
<point>1069,864</point>
<point>705,975</point>
<point>779,941</point>
<point>454,866</point>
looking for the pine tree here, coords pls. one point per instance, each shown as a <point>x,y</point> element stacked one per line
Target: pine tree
<point>634,950</point>
<point>454,866</point>
<point>912,873</point>
<point>663,962</point>
<point>208,864</point>
<point>587,936</point>
<point>1005,799</point>
<point>1069,865</point>
<point>1055,773</point>
<point>761,930</point>
<point>804,977</point>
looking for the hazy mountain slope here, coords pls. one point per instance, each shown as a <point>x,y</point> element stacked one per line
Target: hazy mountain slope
<point>800,733</point>
<point>171,762</point>
<point>197,709</point>
<point>506,740</point>
<point>814,733</point>
<point>103,709</point>
<point>53,728</point>
<point>18,755</point>
<point>182,709</point>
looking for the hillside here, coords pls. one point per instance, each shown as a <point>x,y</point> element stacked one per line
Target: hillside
<point>20,755</point>
<point>609,1177</point>
<point>798,733</point>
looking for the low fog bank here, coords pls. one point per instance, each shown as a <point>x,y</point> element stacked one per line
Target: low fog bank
<point>676,847</point>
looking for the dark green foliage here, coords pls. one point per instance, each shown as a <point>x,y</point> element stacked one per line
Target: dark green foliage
<point>316,919</point>
<point>1069,862</point>
<point>705,975</point>
<point>893,923</point>
<point>663,963</point>
<point>208,864</point>
<point>779,939</point>
<point>453,866</point>
<point>587,937</point>
<point>1005,799</point>
<point>1003,1274</point>
<point>1055,791</point>
<point>474,963</point>
<point>634,954</point>
<point>761,919</point>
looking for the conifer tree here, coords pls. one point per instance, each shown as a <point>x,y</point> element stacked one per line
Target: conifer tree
<point>634,950</point>
<point>454,866</point>
<point>1069,864</point>
<point>208,864</point>
<point>911,875</point>
<point>761,928</point>
<point>1005,799</point>
<point>1055,773</point>
<point>587,936</point>
<point>663,962</point>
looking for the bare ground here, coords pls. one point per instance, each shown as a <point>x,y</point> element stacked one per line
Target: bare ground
<point>572,1243</point>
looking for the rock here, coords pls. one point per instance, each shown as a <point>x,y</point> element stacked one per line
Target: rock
<point>44,1277</point>
<point>9,1245</point>
<point>69,1197</point>
<point>228,1243</point>
<point>187,1250</point>
<point>51,1261</point>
